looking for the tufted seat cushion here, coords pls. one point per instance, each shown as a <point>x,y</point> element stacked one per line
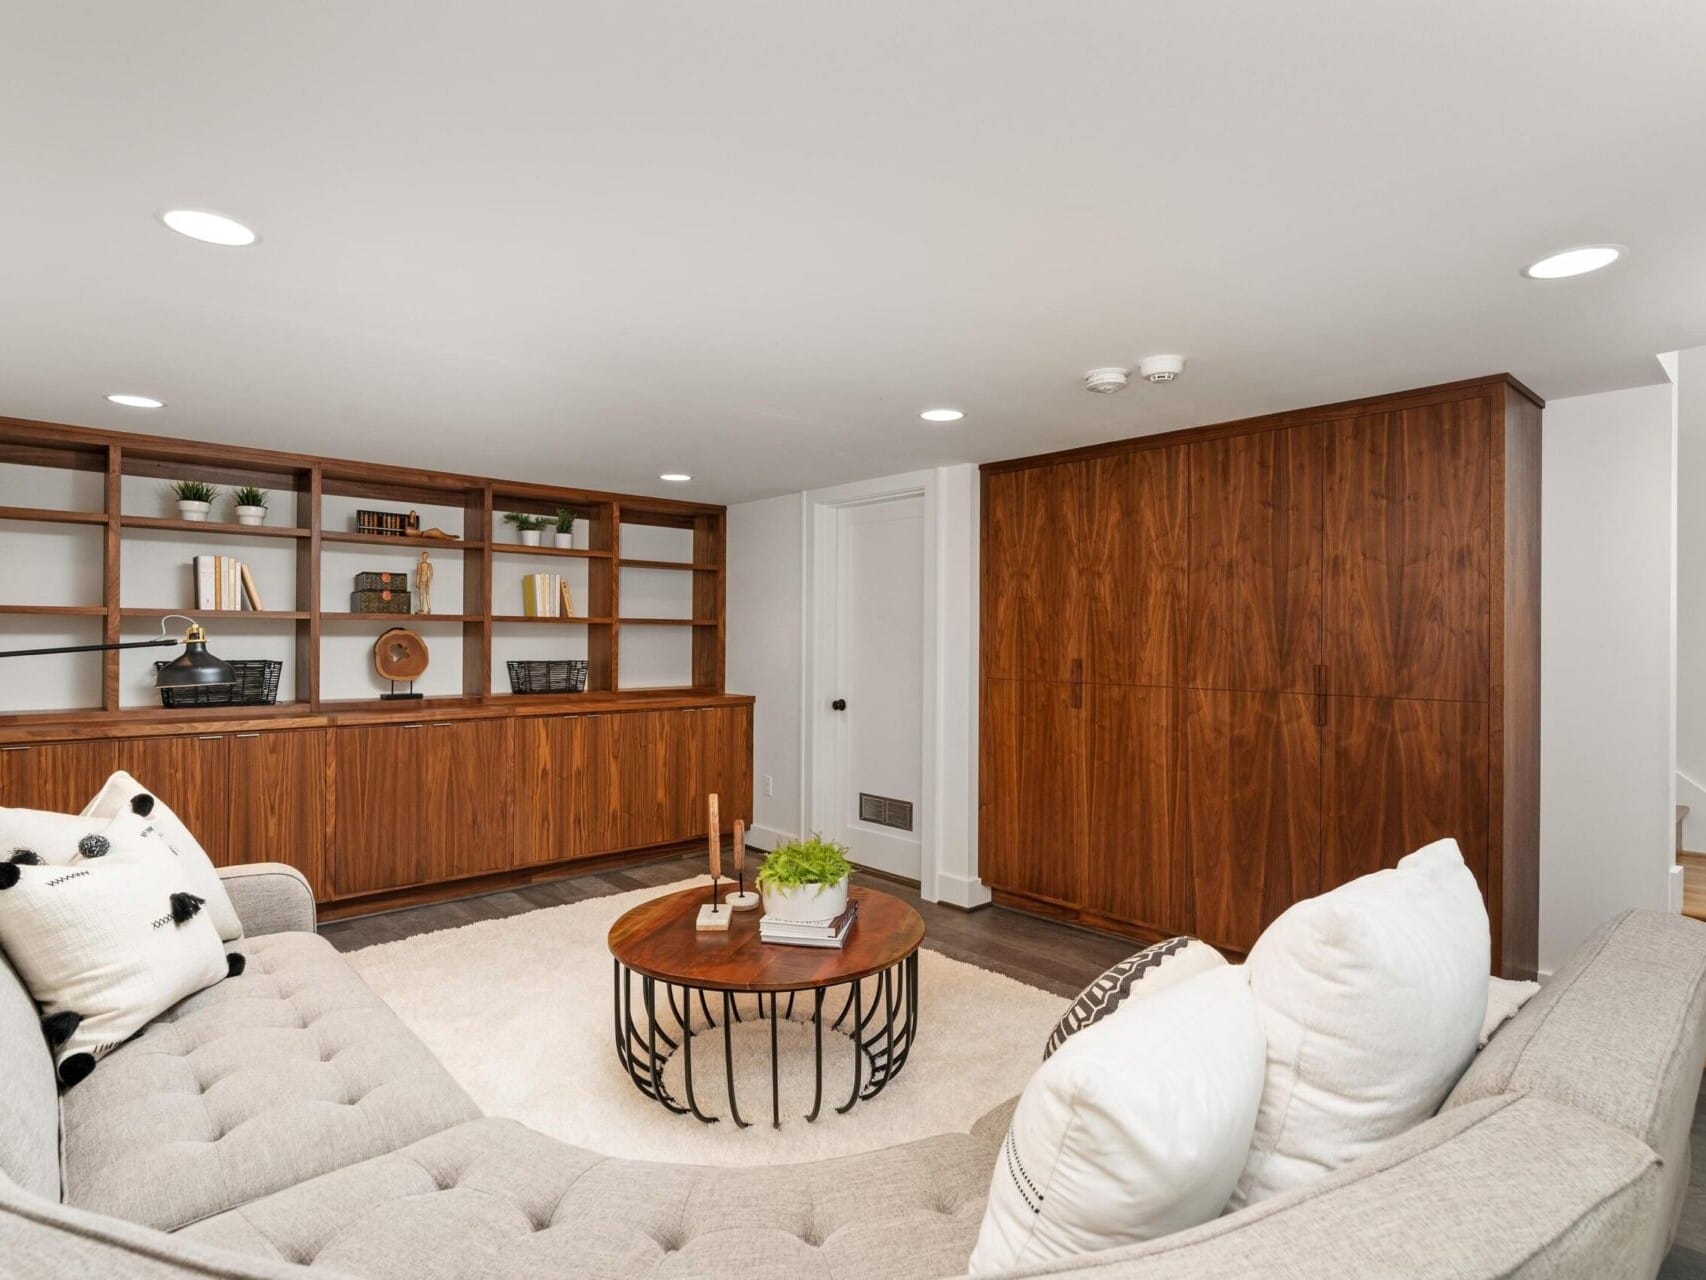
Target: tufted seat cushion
<point>264,1080</point>
<point>495,1199</point>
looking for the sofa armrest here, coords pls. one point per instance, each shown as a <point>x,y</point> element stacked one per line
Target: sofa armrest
<point>269,897</point>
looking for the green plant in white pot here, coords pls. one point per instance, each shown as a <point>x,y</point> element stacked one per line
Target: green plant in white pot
<point>805,880</point>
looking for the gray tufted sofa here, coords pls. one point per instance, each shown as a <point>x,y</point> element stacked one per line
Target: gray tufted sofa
<point>285,1124</point>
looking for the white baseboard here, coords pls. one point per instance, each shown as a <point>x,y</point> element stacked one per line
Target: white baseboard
<point>1676,875</point>
<point>767,838</point>
<point>961,891</point>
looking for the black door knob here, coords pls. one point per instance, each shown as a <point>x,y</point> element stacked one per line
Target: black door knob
<point>840,704</point>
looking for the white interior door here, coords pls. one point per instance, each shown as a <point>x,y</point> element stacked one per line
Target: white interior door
<point>876,684</point>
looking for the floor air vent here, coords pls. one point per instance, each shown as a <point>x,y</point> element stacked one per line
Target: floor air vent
<point>885,812</point>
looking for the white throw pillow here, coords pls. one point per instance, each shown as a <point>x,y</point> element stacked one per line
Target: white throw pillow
<point>1148,971</point>
<point>1136,1127</point>
<point>52,837</point>
<point>1372,996</point>
<point>105,945</point>
<point>123,794</point>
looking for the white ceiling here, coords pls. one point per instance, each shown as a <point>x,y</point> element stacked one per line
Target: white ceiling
<point>751,239</point>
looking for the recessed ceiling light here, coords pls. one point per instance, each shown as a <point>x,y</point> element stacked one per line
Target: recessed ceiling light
<point>675,477</point>
<point>1574,262</point>
<point>941,415</point>
<point>138,402</point>
<point>212,228</point>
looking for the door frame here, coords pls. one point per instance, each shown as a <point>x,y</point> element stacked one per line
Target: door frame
<point>817,754</point>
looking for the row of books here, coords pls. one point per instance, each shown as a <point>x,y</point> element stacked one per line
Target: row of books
<point>830,933</point>
<point>223,582</point>
<point>546,595</point>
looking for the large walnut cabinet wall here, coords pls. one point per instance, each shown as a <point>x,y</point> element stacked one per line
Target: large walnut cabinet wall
<point>1228,668</point>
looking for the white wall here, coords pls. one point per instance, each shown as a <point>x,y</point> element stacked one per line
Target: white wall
<point>766,549</point>
<point>1690,374</point>
<point>1607,742</point>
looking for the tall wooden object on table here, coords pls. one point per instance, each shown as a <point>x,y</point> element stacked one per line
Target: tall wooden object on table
<point>742,899</point>
<point>714,916</point>
<point>1229,668</point>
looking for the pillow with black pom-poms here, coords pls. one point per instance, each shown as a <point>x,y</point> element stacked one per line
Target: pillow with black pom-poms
<point>121,802</point>
<point>105,945</point>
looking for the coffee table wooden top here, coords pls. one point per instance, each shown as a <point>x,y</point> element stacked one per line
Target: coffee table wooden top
<point>657,939</point>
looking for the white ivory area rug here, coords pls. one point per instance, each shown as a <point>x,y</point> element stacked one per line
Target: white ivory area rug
<point>520,1012</point>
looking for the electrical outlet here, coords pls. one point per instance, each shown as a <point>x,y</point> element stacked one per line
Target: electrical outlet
<point>769,785</point>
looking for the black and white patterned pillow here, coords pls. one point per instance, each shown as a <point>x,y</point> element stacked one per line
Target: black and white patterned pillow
<point>1145,973</point>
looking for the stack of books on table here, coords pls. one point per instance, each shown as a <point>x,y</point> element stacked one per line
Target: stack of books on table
<point>794,933</point>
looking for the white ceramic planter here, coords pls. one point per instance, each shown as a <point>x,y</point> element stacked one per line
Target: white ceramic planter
<point>562,540</point>
<point>530,537</point>
<point>806,903</point>
<point>193,510</point>
<point>251,515</point>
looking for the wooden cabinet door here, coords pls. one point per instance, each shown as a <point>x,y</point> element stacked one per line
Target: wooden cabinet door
<point>1399,774</point>
<point>728,761</point>
<point>1252,809</point>
<point>383,809</point>
<point>1133,868</point>
<point>1034,619</point>
<point>638,746</point>
<point>62,776</point>
<point>277,796</point>
<point>474,769</point>
<point>1034,789</point>
<point>1130,578</point>
<point>192,775</point>
<point>539,827</point>
<point>1408,516</point>
<point>590,780</point>
<point>1254,616</point>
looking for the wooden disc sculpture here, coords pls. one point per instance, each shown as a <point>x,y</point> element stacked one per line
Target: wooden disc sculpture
<point>400,654</point>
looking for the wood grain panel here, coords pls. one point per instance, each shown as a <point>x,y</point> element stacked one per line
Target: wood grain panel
<point>1408,572</point>
<point>1131,571</point>
<point>478,764</point>
<point>1034,624</point>
<point>589,773</point>
<point>1400,773</point>
<point>191,774</point>
<point>1133,865</point>
<point>641,782</point>
<point>277,797</point>
<point>1034,789</point>
<point>62,776</point>
<point>1252,809</point>
<point>386,807</point>
<point>1253,621</point>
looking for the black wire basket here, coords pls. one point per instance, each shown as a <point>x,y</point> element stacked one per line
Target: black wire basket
<point>554,675</point>
<point>256,685</point>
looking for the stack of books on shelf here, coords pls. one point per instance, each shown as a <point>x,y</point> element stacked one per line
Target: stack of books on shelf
<point>545,595</point>
<point>222,582</point>
<point>794,933</point>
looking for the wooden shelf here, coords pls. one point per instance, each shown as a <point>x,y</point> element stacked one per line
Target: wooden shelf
<point>44,516</point>
<point>626,563</point>
<point>516,549</point>
<point>59,610</point>
<point>199,614</point>
<point>522,617</point>
<point>388,540</point>
<point>210,526</point>
<point>401,618</point>
<point>667,622</point>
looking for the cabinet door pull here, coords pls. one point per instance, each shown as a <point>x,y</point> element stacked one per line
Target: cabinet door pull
<point>210,737</point>
<point>442,724</point>
<point>1320,693</point>
<point>1077,670</point>
<point>20,747</point>
<point>416,725</point>
<point>245,735</point>
<point>1077,696</point>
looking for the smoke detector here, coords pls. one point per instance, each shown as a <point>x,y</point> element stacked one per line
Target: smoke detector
<point>1104,382</point>
<point>1161,368</point>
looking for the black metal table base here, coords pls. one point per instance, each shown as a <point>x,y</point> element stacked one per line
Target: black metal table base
<point>880,1014</point>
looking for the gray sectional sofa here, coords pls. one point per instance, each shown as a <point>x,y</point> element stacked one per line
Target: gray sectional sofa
<point>285,1124</point>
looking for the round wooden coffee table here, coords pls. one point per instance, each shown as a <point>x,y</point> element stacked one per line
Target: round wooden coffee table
<point>657,941</point>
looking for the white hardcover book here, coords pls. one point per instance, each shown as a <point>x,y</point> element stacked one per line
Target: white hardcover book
<point>204,582</point>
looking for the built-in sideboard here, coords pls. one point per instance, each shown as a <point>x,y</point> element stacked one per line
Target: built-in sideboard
<point>377,802</point>
<point>1228,668</point>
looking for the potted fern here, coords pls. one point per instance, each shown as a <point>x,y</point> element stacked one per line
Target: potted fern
<point>805,881</point>
<point>195,498</point>
<point>527,527</point>
<point>564,535</point>
<point>251,504</point>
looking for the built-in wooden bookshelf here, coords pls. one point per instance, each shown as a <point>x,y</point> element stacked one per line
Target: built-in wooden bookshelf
<point>310,520</point>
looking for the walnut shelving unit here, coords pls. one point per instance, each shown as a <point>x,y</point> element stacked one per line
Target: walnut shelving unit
<point>300,485</point>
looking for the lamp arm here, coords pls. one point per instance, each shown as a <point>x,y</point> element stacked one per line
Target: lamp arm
<point>164,638</point>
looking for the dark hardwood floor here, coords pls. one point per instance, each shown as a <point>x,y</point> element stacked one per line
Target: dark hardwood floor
<point>1055,957</point>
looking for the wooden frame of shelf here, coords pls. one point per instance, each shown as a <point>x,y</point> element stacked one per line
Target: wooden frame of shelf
<point>309,481</point>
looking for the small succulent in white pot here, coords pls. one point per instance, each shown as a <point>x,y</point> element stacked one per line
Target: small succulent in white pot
<point>195,498</point>
<point>527,527</point>
<point>563,535</point>
<point>805,881</point>
<point>251,504</point>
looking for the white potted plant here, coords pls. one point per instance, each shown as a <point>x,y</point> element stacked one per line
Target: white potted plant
<point>195,498</point>
<point>527,527</point>
<point>563,537</point>
<point>251,505</point>
<point>805,881</point>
